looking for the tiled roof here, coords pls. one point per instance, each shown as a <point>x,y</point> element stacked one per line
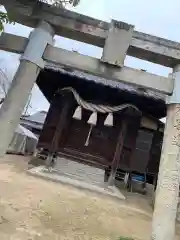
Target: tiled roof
<point>107,82</point>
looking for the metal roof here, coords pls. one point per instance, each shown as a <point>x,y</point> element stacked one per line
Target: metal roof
<point>38,117</point>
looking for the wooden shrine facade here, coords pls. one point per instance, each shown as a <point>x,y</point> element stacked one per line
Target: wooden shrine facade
<point>66,136</point>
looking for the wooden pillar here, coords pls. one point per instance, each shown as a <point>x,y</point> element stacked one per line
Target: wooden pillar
<point>65,105</point>
<point>166,200</point>
<point>25,77</point>
<point>117,154</point>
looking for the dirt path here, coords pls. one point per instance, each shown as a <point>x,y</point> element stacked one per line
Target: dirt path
<point>32,208</point>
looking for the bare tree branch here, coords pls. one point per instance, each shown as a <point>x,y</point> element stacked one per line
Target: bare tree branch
<point>4,82</point>
<point>1,100</point>
<point>4,86</point>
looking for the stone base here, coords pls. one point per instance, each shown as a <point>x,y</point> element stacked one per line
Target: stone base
<point>178,207</point>
<point>100,188</point>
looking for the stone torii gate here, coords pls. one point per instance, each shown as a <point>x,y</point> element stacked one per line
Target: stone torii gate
<point>117,39</point>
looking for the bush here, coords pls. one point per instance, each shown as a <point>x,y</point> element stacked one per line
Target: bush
<point>125,238</point>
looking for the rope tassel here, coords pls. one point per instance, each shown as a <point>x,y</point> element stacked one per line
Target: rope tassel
<point>109,120</point>
<point>78,113</point>
<point>93,118</point>
<point>88,137</point>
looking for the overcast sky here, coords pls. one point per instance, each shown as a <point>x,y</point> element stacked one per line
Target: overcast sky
<point>159,18</point>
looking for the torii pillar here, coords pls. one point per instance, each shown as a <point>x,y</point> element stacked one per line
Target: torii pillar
<point>167,193</point>
<point>31,63</point>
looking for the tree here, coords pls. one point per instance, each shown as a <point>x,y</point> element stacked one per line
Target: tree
<point>4,17</point>
<point>5,83</point>
<point>62,3</point>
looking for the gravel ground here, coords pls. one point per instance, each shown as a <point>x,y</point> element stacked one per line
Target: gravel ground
<point>33,209</point>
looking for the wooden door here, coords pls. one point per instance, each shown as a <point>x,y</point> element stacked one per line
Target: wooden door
<point>102,141</point>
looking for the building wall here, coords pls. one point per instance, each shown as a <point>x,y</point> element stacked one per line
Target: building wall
<point>136,152</point>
